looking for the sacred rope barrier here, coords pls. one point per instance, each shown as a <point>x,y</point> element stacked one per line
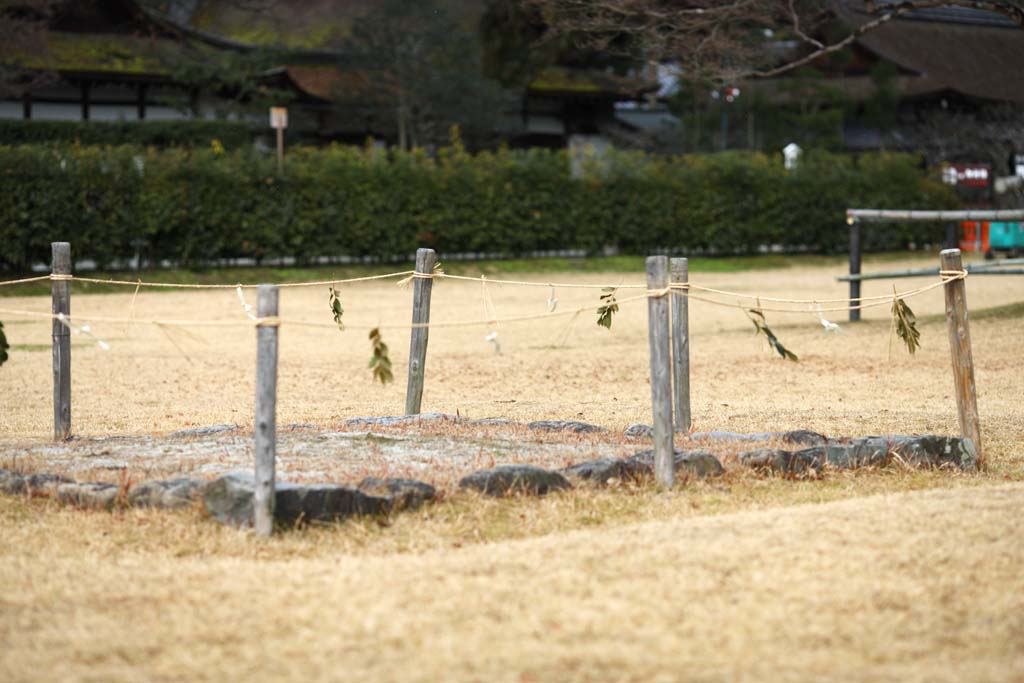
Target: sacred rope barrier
<point>668,335</point>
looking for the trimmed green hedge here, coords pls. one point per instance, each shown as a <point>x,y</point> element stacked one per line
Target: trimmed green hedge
<point>195,205</point>
<point>198,133</point>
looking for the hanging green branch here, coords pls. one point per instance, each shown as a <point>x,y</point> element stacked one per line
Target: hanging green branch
<point>905,323</point>
<point>760,324</point>
<point>381,362</point>
<point>336,309</point>
<point>610,307</point>
<point>4,346</point>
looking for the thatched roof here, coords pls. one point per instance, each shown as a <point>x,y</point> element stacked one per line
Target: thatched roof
<point>974,53</point>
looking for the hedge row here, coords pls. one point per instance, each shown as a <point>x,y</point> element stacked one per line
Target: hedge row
<point>195,205</point>
<point>190,133</point>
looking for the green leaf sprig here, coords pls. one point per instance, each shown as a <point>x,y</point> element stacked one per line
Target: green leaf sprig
<point>905,323</point>
<point>381,362</point>
<point>336,309</point>
<point>760,324</point>
<point>609,308</point>
<point>4,346</point>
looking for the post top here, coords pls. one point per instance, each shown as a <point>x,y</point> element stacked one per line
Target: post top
<point>949,252</point>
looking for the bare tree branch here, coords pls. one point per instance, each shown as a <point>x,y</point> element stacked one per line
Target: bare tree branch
<point>728,40</point>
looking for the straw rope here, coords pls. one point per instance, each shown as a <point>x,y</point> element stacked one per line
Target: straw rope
<point>489,320</point>
<point>945,276</point>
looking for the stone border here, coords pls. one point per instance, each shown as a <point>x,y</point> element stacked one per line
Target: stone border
<point>229,498</point>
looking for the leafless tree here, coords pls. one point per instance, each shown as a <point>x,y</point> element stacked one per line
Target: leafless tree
<point>23,27</point>
<point>730,40</point>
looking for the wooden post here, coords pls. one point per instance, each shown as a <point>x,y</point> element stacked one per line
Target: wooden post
<point>960,349</point>
<point>661,371</point>
<point>681,344</point>
<point>61,292</point>
<point>280,151</point>
<point>854,269</point>
<point>266,409</point>
<point>951,234</point>
<point>422,287</point>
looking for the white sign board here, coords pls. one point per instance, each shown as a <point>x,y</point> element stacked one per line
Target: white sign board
<point>278,117</point>
<point>791,155</point>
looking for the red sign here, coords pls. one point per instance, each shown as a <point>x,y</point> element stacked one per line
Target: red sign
<point>970,175</point>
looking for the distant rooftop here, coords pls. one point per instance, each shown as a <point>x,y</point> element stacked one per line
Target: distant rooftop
<point>957,15</point>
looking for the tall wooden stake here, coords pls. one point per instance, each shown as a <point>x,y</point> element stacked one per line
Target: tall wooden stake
<point>422,287</point>
<point>266,409</point>
<point>960,349</point>
<point>681,344</point>
<point>280,151</point>
<point>661,371</point>
<point>61,291</point>
<point>854,269</point>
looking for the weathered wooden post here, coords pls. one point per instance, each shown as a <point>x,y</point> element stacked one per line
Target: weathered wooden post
<point>265,448</point>
<point>854,268</point>
<point>951,235</point>
<point>661,371</point>
<point>960,349</point>
<point>422,287</point>
<point>60,286</point>
<point>681,343</point>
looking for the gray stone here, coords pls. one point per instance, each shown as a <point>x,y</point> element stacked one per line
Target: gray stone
<point>804,437</point>
<point>405,494</point>
<point>694,463</point>
<point>639,431</point>
<point>508,479</point>
<point>494,421</point>
<point>731,436</point>
<point>937,451</point>
<point>573,426</point>
<point>89,494</point>
<point>602,470</point>
<point>11,482</point>
<point>204,431</point>
<point>868,451</point>
<point>228,499</point>
<point>166,493</point>
<point>797,463</point>
<point>46,484</point>
<point>398,420</point>
<point>699,464</point>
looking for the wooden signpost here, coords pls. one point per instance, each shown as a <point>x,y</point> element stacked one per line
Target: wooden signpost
<point>279,121</point>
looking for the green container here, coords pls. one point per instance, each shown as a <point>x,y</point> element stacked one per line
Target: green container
<point>1003,236</point>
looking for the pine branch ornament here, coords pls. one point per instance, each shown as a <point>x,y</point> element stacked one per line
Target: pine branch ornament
<point>609,308</point>
<point>380,363</point>
<point>756,316</point>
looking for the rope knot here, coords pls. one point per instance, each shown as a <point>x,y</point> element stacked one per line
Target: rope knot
<point>61,276</point>
<point>952,275</point>
<point>271,321</point>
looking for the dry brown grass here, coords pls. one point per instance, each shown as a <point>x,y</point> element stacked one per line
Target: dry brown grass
<point>922,586</point>
<point>855,576</point>
<point>157,380</point>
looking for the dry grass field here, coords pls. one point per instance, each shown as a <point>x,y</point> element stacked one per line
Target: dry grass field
<point>887,574</point>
